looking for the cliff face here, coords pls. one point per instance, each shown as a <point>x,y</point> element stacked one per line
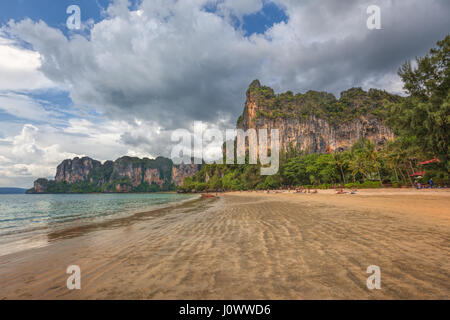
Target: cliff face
<point>316,122</point>
<point>180,172</point>
<point>141,171</point>
<point>126,174</point>
<point>40,186</point>
<point>75,170</point>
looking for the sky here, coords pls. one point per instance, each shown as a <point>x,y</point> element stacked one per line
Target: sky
<point>137,70</point>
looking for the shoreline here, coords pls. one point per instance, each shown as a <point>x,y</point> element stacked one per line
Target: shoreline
<point>42,236</point>
<point>251,245</point>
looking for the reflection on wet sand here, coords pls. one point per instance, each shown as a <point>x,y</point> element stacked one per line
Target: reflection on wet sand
<point>56,233</point>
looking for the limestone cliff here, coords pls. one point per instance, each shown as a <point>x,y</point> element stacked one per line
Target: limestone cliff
<point>317,122</point>
<point>140,171</point>
<point>75,170</point>
<point>180,172</point>
<point>126,174</point>
<point>40,186</point>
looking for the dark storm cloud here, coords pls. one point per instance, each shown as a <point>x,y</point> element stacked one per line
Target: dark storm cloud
<point>333,50</point>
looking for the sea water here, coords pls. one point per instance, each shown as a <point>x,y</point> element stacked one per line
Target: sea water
<point>25,219</point>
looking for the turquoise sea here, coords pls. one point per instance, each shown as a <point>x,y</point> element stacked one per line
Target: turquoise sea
<point>25,219</point>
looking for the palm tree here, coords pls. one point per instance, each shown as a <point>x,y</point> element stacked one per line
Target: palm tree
<point>372,157</point>
<point>357,164</point>
<point>392,158</point>
<point>341,160</point>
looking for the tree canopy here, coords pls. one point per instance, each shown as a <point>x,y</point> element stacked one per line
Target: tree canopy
<point>425,115</point>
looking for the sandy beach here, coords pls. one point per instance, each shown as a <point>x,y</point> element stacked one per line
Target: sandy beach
<point>249,245</point>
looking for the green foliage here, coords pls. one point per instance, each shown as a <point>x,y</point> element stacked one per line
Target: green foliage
<point>352,104</point>
<point>364,185</point>
<point>363,167</point>
<point>103,172</point>
<point>425,114</point>
<point>89,187</point>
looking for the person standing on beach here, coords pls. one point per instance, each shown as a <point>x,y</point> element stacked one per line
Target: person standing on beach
<point>431,183</point>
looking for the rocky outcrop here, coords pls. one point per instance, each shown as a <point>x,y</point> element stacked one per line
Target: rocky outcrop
<point>316,122</point>
<point>40,186</point>
<point>182,171</point>
<point>153,176</point>
<point>126,174</point>
<point>75,170</point>
<point>315,135</point>
<point>122,188</point>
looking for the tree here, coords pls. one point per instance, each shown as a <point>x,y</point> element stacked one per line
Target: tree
<point>425,113</point>
<point>372,159</point>
<point>341,159</point>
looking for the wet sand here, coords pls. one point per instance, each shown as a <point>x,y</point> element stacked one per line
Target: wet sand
<point>251,246</point>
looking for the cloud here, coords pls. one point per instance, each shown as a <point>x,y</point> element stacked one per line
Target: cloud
<point>22,106</point>
<point>173,62</point>
<point>19,68</point>
<point>173,68</point>
<point>23,158</point>
<point>24,145</point>
<point>326,45</point>
<point>239,8</point>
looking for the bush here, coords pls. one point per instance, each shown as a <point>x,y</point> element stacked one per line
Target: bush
<point>364,185</point>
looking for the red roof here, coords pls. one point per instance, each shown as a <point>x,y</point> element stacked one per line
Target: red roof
<point>430,161</point>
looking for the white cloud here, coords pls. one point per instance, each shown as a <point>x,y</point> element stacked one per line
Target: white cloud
<point>19,68</point>
<point>22,106</point>
<point>239,8</point>
<point>23,158</point>
<point>24,145</point>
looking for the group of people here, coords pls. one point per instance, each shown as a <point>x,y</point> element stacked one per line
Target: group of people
<point>289,189</point>
<point>418,185</point>
<point>341,191</point>
<point>305,190</point>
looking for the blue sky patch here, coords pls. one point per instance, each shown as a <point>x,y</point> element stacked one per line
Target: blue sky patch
<point>256,23</point>
<point>263,20</point>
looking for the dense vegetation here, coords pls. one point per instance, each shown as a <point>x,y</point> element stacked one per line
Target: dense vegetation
<point>362,166</point>
<point>420,121</point>
<point>352,104</point>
